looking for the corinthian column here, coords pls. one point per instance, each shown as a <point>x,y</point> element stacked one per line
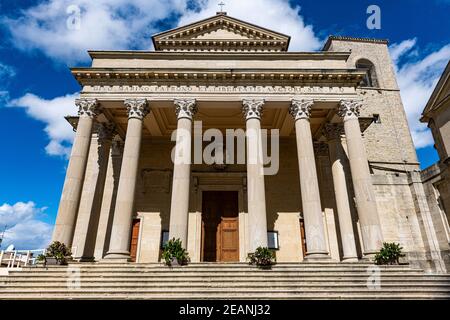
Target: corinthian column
<point>179,206</point>
<point>94,182</point>
<point>88,109</point>
<point>362,183</point>
<point>119,247</point>
<point>256,194</point>
<point>333,134</point>
<point>309,184</point>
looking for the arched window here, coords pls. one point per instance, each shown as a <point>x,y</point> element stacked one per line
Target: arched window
<point>370,80</point>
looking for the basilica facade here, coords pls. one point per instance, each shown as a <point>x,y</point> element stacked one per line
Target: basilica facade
<point>343,175</point>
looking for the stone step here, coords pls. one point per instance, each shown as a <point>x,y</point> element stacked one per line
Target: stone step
<point>228,264</point>
<point>181,278</point>
<point>220,267</point>
<point>221,275</point>
<point>222,284</point>
<point>227,296</point>
<point>236,293</point>
<point>237,277</point>
<point>182,269</point>
<point>166,276</point>
<point>223,281</point>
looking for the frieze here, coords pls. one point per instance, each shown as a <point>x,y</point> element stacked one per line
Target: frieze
<point>217,89</point>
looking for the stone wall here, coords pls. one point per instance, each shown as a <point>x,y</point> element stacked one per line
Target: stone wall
<point>389,142</point>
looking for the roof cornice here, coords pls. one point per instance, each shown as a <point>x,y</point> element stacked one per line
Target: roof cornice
<point>353,39</point>
<point>349,76</point>
<point>136,54</point>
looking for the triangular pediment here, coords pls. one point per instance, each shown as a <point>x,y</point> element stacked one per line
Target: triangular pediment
<point>440,98</point>
<point>221,33</point>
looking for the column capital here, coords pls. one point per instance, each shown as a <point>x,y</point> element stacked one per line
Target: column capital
<point>137,108</point>
<point>300,109</point>
<point>349,109</point>
<point>252,108</point>
<point>332,131</point>
<point>185,108</point>
<point>88,107</point>
<point>106,130</point>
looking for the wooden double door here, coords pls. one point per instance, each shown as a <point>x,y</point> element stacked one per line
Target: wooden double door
<point>220,226</point>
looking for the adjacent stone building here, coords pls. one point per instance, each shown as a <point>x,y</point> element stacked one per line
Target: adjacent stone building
<point>347,176</point>
<point>436,178</point>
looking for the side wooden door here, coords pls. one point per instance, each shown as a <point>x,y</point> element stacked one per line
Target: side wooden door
<point>134,239</point>
<point>228,240</point>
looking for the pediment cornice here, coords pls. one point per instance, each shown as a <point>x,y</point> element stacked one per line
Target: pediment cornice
<point>221,33</point>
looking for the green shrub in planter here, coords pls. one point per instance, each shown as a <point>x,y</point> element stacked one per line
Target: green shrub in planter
<point>174,253</point>
<point>389,254</point>
<point>58,252</point>
<point>262,257</point>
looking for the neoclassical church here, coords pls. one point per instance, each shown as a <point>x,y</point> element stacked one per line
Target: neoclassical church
<point>347,177</point>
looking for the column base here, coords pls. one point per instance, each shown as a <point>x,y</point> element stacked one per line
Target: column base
<point>350,259</point>
<point>368,257</point>
<point>85,259</point>
<point>117,257</point>
<point>318,256</point>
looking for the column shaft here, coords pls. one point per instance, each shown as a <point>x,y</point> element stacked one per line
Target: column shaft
<point>109,200</point>
<point>179,207</point>
<point>256,194</point>
<point>70,198</point>
<point>91,196</point>
<point>119,247</point>
<point>362,181</point>
<point>309,184</point>
<point>337,157</point>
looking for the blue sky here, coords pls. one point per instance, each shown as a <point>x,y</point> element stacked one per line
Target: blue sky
<point>37,89</point>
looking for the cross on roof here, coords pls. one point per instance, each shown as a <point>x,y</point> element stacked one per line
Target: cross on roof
<point>221,4</point>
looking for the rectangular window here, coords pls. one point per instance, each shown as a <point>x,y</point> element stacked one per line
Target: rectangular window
<point>376,118</point>
<point>164,238</point>
<point>272,240</point>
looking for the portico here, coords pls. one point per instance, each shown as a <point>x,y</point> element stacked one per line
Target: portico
<point>151,103</point>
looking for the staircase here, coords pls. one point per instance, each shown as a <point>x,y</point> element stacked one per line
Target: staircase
<point>310,280</point>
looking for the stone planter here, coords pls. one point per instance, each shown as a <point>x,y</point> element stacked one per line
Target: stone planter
<point>265,267</point>
<point>174,262</point>
<point>51,261</point>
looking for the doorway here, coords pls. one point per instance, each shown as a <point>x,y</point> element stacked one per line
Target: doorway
<point>134,239</point>
<point>303,237</point>
<point>220,226</point>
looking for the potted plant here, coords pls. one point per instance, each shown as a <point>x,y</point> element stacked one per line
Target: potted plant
<point>174,254</point>
<point>263,258</point>
<point>57,253</point>
<point>389,254</point>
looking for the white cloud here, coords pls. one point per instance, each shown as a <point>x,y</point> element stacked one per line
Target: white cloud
<point>6,72</point>
<point>399,49</point>
<point>129,24</point>
<point>24,230</point>
<point>52,113</point>
<point>417,80</point>
<point>103,24</point>
<point>278,15</point>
